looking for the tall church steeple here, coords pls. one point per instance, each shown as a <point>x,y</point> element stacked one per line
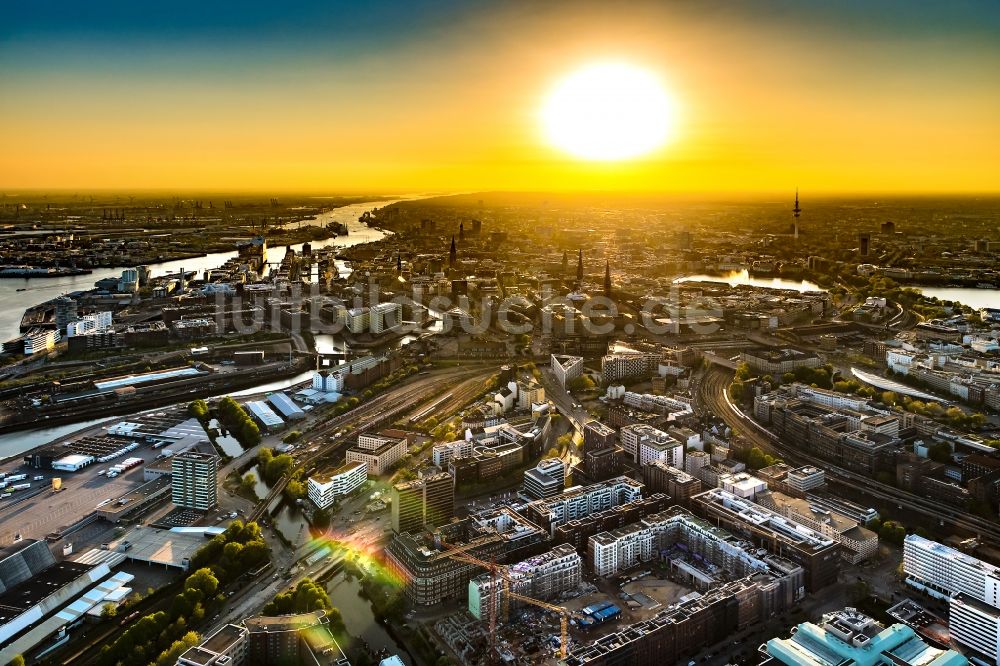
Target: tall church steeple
<point>607,278</point>
<point>453,254</point>
<point>579,270</point>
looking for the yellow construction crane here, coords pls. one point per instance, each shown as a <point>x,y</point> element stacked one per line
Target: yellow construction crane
<point>563,617</point>
<point>501,573</point>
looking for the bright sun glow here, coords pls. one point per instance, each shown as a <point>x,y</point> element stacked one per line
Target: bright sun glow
<point>609,111</point>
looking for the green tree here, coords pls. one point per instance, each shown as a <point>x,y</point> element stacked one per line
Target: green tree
<point>170,656</point>
<point>249,483</point>
<point>109,610</point>
<point>204,580</point>
<point>18,660</point>
<point>321,519</point>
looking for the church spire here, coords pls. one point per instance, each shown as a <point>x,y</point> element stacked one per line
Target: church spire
<point>453,254</point>
<point>579,270</point>
<point>607,278</point>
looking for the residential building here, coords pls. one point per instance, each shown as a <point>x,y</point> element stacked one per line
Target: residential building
<point>581,501</point>
<point>660,477</point>
<point>644,443</point>
<point>325,489</point>
<point>92,323</point>
<point>597,436</point>
<point>817,554</point>
<point>194,480</point>
<point>543,576</point>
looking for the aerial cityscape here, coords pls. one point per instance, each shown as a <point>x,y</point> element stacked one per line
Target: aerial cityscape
<point>468,333</point>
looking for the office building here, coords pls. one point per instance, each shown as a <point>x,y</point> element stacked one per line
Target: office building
<point>545,480</point>
<point>975,625</point>
<point>226,647</point>
<point>378,452</point>
<point>849,637</point>
<point>304,638</point>
<point>423,503</point>
<point>943,572</point>
<point>566,368</point>
<point>194,480</point>
<point>325,489</point>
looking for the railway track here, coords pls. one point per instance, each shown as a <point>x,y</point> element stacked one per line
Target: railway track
<point>370,414</point>
<point>712,392</point>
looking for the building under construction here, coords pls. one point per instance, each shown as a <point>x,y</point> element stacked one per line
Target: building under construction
<point>427,562</point>
<point>541,577</point>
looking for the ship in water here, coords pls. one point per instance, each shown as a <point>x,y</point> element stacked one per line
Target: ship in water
<point>338,228</point>
<point>9,271</point>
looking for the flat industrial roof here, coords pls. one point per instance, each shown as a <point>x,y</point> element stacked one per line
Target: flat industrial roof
<point>31,592</point>
<point>162,546</point>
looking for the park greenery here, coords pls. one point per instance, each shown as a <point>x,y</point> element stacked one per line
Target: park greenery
<point>235,419</point>
<point>305,597</point>
<point>159,638</point>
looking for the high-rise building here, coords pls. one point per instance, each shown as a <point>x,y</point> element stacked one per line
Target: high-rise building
<point>423,503</point>
<point>65,313</point>
<point>864,244</point>
<point>439,499</point>
<point>596,436</point>
<point>194,480</point>
<point>408,506</point>
<point>943,572</point>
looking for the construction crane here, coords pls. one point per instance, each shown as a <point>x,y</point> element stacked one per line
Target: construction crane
<point>563,616</point>
<point>501,573</point>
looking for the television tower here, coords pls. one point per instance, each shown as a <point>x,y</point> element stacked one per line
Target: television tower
<point>796,211</point>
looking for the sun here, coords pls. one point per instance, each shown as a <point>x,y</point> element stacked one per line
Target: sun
<point>609,111</point>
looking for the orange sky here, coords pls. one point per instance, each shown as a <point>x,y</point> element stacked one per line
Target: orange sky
<point>765,104</point>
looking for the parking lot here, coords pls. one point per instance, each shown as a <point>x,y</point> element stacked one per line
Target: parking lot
<point>82,491</point>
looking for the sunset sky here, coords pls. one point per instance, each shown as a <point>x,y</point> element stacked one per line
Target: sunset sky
<point>847,96</point>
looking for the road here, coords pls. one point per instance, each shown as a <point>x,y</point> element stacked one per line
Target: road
<point>712,393</point>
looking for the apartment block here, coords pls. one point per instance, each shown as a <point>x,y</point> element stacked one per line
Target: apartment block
<point>194,480</point>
